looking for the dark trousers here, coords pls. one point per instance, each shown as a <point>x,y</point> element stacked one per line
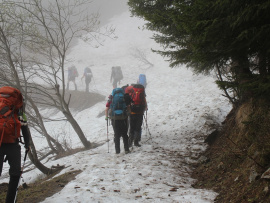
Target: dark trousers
<point>136,121</point>
<point>87,87</point>
<point>13,155</point>
<point>73,82</point>
<point>87,82</point>
<point>120,128</point>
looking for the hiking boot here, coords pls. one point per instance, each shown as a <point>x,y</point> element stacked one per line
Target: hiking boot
<point>136,143</point>
<point>127,152</point>
<point>130,141</point>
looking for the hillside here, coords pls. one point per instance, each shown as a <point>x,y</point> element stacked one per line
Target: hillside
<point>236,162</point>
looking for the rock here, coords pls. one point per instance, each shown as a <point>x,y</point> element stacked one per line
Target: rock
<point>253,175</point>
<point>203,159</point>
<point>266,189</point>
<point>220,165</point>
<point>212,137</point>
<point>266,174</point>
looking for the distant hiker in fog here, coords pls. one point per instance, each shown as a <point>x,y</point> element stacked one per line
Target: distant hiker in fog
<point>72,74</point>
<point>116,75</point>
<point>87,74</point>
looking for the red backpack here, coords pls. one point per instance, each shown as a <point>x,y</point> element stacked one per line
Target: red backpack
<point>11,101</point>
<point>138,97</point>
<point>129,90</point>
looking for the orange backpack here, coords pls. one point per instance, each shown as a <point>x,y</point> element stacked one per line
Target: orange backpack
<point>11,101</point>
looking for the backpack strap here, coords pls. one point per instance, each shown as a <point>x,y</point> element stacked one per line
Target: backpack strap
<point>2,135</point>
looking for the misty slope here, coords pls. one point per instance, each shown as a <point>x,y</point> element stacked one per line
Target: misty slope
<point>182,107</point>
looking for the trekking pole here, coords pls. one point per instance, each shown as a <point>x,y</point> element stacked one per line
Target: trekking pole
<point>147,125</point>
<point>144,127</point>
<point>26,151</point>
<point>108,134</point>
<point>147,128</point>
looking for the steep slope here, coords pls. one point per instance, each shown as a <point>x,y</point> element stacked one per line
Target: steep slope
<point>239,156</point>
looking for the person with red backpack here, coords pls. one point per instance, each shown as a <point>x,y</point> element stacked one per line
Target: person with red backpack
<point>138,107</point>
<point>118,106</point>
<point>12,121</point>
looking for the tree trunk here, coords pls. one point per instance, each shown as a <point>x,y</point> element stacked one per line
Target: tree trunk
<point>32,154</point>
<point>44,131</point>
<point>262,66</point>
<point>242,75</point>
<point>77,129</point>
<point>65,110</point>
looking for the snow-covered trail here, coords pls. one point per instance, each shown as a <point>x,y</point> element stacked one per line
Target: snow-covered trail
<point>181,107</point>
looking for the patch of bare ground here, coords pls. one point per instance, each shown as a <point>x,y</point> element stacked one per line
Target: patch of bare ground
<point>82,100</point>
<point>77,100</point>
<point>41,189</point>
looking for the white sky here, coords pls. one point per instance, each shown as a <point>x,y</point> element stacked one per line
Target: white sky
<point>181,106</point>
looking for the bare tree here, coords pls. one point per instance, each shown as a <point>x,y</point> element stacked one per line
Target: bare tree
<point>9,74</point>
<point>50,31</point>
<point>35,39</point>
<point>141,56</point>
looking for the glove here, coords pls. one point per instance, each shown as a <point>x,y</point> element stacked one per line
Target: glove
<point>27,148</point>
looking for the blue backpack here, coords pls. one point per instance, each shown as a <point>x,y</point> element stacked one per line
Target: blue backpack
<point>118,106</point>
<point>142,80</point>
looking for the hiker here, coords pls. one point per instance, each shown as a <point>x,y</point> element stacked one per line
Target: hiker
<point>142,80</point>
<point>138,107</point>
<point>11,113</point>
<point>129,91</point>
<point>118,107</point>
<point>116,76</point>
<point>72,74</point>
<point>87,74</point>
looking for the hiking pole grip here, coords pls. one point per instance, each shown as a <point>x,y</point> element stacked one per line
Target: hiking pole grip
<point>26,152</point>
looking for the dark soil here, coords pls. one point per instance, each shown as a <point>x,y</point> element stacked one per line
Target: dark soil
<point>83,100</point>
<point>233,155</point>
<point>39,191</point>
<point>77,100</point>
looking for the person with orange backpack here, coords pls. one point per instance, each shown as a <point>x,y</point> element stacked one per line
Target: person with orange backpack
<point>138,107</point>
<point>12,121</point>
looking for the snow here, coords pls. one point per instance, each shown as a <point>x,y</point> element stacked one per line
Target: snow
<point>182,107</point>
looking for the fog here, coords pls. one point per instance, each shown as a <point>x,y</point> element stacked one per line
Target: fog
<point>108,8</point>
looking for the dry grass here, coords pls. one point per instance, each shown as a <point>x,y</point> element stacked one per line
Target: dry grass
<point>40,190</point>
